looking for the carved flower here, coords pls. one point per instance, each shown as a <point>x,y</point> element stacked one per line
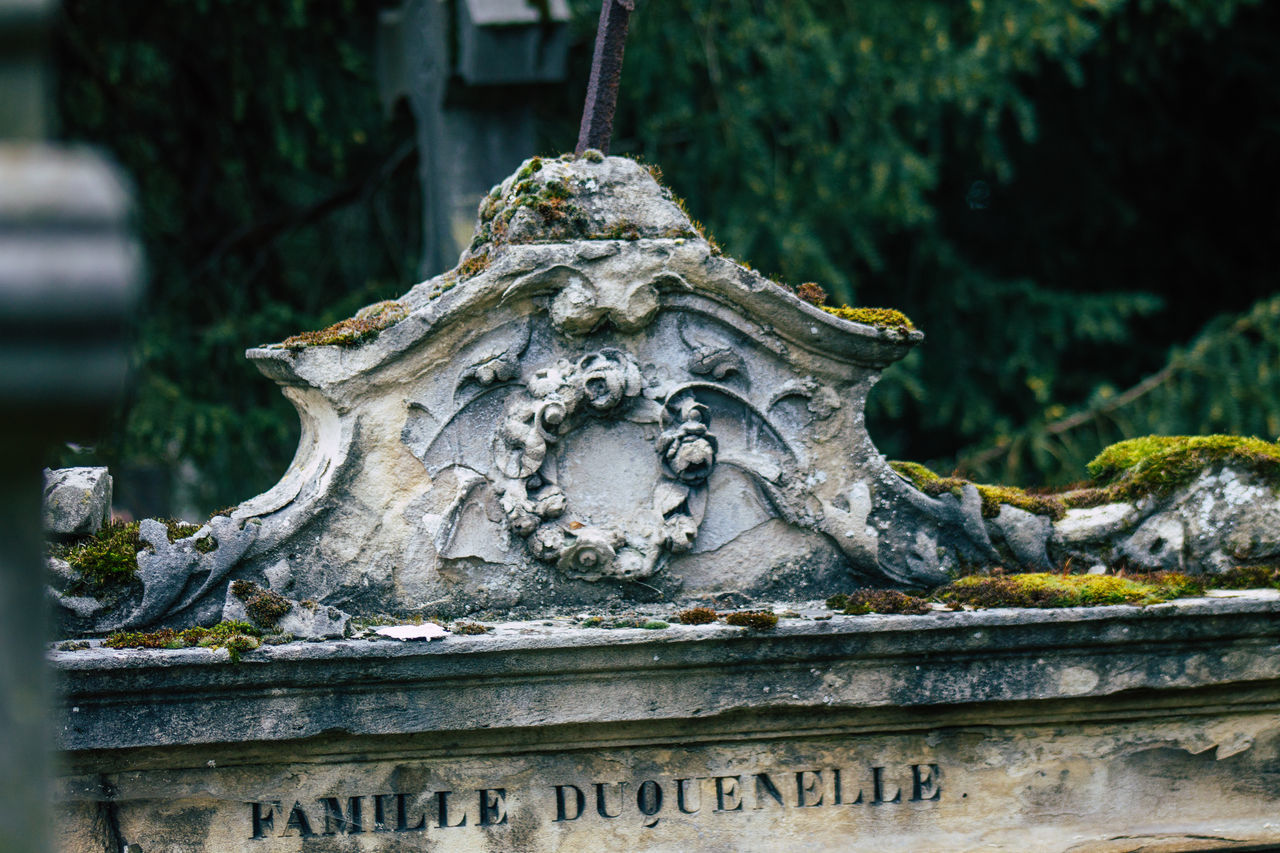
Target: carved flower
<point>547,542</point>
<point>550,502</point>
<point>549,380</point>
<point>523,522</point>
<point>689,450</point>
<point>522,445</point>
<point>678,533</point>
<point>589,553</point>
<point>824,403</point>
<point>691,458</point>
<point>606,379</point>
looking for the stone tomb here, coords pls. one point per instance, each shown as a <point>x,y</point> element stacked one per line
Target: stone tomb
<point>597,411</point>
<point>1101,729</point>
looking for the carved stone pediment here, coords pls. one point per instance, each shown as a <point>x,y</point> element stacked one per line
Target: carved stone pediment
<point>594,405</point>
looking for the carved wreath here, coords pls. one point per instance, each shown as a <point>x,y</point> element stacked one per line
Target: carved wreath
<point>604,384</point>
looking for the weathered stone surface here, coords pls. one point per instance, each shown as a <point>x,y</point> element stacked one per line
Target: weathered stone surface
<point>590,418</point>
<point>304,620</point>
<point>998,730</point>
<point>1224,518</point>
<point>77,501</point>
<point>1026,535</point>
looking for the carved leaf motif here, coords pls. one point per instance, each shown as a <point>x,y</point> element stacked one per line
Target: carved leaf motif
<point>501,368</point>
<point>718,363</point>
<point>499,361</point>
<point>668,495</point>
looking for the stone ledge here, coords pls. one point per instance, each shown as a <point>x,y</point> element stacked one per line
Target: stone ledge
<point>530,675</point>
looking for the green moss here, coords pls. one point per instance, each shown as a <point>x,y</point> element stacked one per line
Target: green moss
<point>992,496</point>
<point>696,616</point>
<point>108,558</point>
<point>470,628</point>
<point>180,529</point>
<point>1158,464</point>
<point>234,636</point>
<point>884,318</point>
<point>655,625</point>
<point>264,606</point>
<point>1246,577</point>
<point>1041,589</point>
<point>363,327</point>
<point>755,620</point>
<point>592,155</point>
<point>621,230</point>
<point>473,266</point>
<point>883,601</point>
<point>528,170</point>
<point>555,189</point>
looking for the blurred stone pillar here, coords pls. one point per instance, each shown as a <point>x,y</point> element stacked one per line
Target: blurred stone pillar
<point>68,280</point>
<point>467,68</point>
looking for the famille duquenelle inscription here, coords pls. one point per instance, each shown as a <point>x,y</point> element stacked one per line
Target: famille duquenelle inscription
<point>648,801</point>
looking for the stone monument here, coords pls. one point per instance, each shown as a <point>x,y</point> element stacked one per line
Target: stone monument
<point>593,421</point>
<point>597,419</point>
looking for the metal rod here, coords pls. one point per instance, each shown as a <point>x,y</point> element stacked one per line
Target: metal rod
<point>606,71</point>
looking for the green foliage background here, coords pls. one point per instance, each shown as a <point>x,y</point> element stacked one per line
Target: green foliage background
<point>1061,193</point>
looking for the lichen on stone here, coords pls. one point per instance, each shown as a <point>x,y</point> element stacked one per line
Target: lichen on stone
<point>563,198</point>
<point>367,323</point>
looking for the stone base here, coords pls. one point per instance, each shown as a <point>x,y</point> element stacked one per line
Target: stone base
<point>1106,729</point>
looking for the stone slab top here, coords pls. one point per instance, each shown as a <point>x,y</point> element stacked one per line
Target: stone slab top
<point>548,673</point>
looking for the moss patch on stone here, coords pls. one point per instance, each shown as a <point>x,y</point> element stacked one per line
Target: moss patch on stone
<point>555,202</point>
<point>1246,577</point>
<point>883,601</point>
<point>1159,464</point>
<point>992,496</point>
<point>363,327</point>
<point>264,606</point>
<point>754,620</point>
<point>1042,589</point>
<point>883,318</point>
<point>234,636</point>
<point>108,557</point>
<point>696,616</point>
<point>1154,465</point>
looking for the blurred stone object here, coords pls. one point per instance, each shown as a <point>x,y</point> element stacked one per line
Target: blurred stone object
<point>68,280</point>
<point>77,501</point>
<point>457,65</point>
